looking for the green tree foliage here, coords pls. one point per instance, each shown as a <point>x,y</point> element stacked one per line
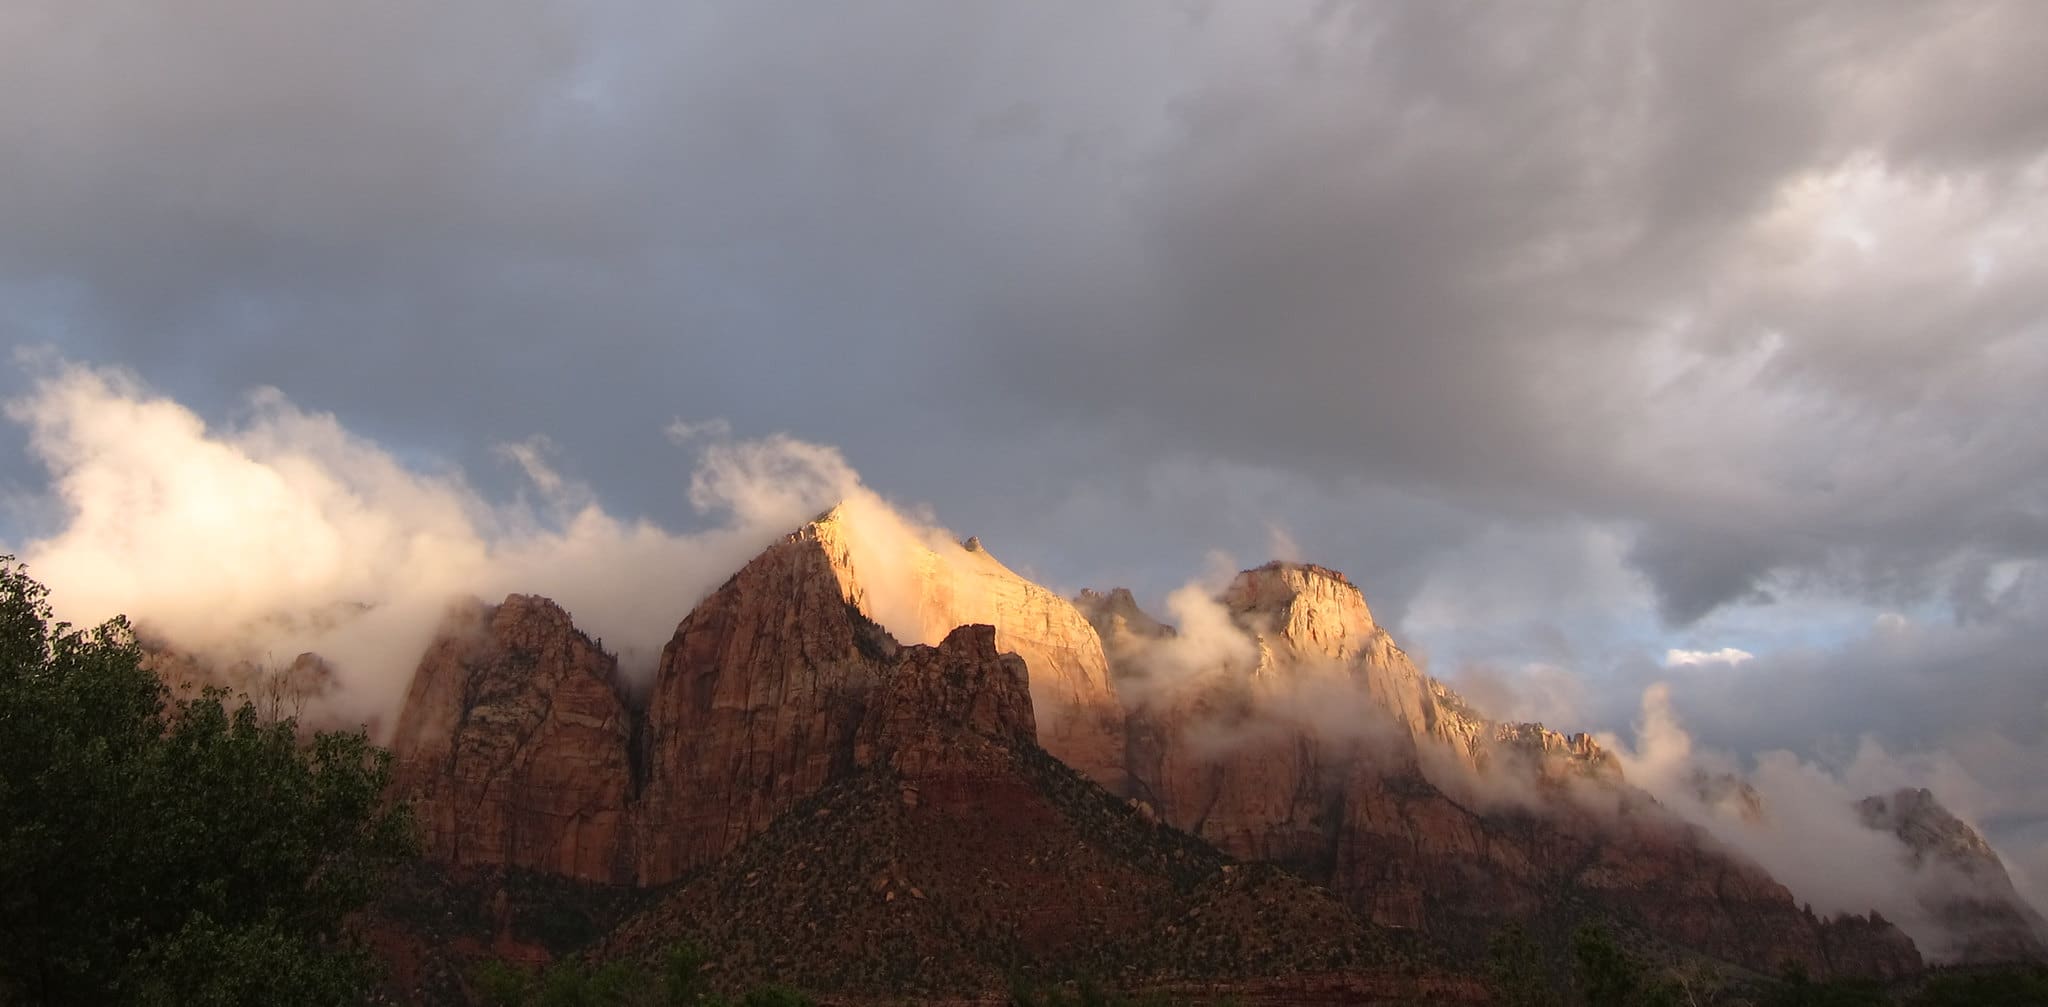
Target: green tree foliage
<point>1516,972</point>
<point>1795,989</point>
<point>161,850</point>
<point>571,983</point>
<point>1608,976</point>
<point>2016,986</point>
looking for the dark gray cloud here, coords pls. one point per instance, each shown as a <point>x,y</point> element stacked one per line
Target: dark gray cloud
<point>1565,310</point>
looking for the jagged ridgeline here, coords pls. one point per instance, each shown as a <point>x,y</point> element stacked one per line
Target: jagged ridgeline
<point>1057,790</point>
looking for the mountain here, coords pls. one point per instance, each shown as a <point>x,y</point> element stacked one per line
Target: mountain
<point>795,764</point>
<point>1029,793</point>
<point>1965,886</point>
<point>1325,750</point>
<point>956,856</point>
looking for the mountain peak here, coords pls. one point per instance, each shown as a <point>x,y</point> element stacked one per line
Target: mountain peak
<point>920,584</point>
<point>1983,915</point>
<point>1314,608</point>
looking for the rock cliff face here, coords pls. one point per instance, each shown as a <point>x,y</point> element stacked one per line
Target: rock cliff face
<point>922,589</point>
<point>514,744</point>
<point>1335,756</point>
<point>755,704</point>
<point>1965,886</point>
<point>761,696</point>
<point>1325,751</point>
<point>521,752</point>
<point>935,705</point>
<point>983,860</point>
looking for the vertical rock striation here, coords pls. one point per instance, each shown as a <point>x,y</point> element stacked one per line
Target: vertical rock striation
<point>514,742</point>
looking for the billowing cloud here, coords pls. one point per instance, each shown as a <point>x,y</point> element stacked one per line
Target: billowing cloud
<point>1798,818</point>
<point>284,533</point>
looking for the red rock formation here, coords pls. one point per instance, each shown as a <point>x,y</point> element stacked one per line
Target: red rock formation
<point>934,703</point>
<point>1963,883</point>
<point>755,704</point>
<point>514,745</point>
<point>922,588</point>
<point>520,752</point>
<point>1335,756</point>
<point>1329,752</point>
<point>957,855</point>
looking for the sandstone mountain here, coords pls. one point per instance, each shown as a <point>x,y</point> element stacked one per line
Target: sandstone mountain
<point>957,857</point>
<point>523,750</point>
<point>1330,753</point>
<point>987,789</point>
<point>1965,886</point>
<point>514,744</point>
<point>921,588</point>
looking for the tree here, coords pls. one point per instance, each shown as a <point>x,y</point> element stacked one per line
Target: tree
<point>1516,972</point>
<point>160,850</point>
<point>680,982</point>
<point>1608,976</point>
<point>1795,989</point>
<point>1998,986</point>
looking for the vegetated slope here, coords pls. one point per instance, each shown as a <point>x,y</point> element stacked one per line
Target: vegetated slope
<point>964,858</point>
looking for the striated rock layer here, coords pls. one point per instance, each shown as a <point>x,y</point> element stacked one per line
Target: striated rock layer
<point>756,704</point>
<point>1330,753</point>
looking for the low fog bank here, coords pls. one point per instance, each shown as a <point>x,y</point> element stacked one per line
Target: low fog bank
<point>283,532</point>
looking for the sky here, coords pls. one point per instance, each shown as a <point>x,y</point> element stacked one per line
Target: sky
<point>1603,345</point>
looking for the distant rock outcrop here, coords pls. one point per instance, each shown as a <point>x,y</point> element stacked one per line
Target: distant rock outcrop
<point>1964,886</point>
<point>1333,755</point>
<point>514,744</point>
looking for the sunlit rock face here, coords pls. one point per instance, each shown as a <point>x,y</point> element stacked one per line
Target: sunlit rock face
<point>1318,745</point>
<point>520,751</point>
<point>1964,885</point>
<point>922,589</point>
<point>513,744</point>
<point>1328,751</point>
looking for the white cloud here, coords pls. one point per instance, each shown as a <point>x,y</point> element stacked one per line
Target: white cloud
<point>287,533</point>
<point>1676,658</point>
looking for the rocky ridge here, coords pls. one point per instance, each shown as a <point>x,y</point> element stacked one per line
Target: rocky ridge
<point>1327,753</point>
<point>958,856</point>
<point>1965,886</point>
<point>921,588</point>
<point>1333,755</point>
